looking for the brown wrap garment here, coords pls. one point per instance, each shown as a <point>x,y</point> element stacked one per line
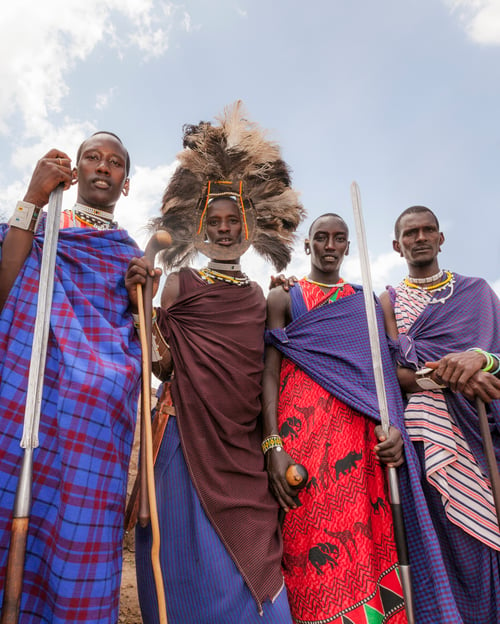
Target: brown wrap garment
<point>216,337</point>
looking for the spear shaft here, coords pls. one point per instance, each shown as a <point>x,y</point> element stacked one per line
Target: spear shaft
<point>22,505</point>
<point>397,512</point>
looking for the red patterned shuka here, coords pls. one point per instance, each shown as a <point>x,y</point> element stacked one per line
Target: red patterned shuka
<point>339,560</point>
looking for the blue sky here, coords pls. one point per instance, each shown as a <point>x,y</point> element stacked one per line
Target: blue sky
<point>402,96</point>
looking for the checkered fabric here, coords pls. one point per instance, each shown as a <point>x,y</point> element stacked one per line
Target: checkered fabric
<point>91,384</point>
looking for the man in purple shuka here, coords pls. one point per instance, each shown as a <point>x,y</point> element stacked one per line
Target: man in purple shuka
<point>437,319</point>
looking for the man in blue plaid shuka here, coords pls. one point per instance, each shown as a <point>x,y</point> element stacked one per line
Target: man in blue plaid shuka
<point>73,557</point>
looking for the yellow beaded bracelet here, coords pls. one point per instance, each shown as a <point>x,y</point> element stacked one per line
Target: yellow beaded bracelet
<point>272,441</point>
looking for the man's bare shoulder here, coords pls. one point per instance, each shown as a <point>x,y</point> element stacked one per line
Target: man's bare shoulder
<point>278,297</point>
<point>171,289</point>
<point>278,308</point>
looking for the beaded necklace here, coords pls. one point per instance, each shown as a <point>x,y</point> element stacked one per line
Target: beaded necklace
<point>211,276</point>
<point>224,266</point>
<point>339,286</point>
<point>426,280</point>
<point>440,292</point>
<point>93,217</point>
<point>415,284</point>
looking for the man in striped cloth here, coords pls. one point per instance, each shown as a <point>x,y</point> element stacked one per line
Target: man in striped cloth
<point>443,320</point>
<point>73,555</point>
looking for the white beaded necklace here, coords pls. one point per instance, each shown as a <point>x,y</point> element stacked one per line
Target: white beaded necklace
<point>426,280</point>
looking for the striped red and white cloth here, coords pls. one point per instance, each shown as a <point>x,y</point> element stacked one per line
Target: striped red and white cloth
<point>450,466</point>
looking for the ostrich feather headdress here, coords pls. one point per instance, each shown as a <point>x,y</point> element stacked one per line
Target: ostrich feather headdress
<point>232,159</point>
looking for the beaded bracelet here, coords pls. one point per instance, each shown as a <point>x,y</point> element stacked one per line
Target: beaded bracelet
<point>272,441</point>
<point>497,369</point>
<point>490,361</point>
<point>26,216</point>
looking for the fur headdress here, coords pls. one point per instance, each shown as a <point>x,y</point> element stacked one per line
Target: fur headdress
<point>232,160</point>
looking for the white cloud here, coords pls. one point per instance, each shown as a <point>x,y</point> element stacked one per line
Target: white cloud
<point>103,99</point>
<point>144,201</point>
<point>186,22</point>
<point>67,137</point>
<point>480,18</point>
<point>40,43</point>
<point>386,269</point>
<point>496,287</point>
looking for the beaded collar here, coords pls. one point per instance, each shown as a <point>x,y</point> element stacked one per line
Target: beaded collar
<point>422,284</point>
<point>426,280</point>
<point>339,284</point>
<point>224,266</point>
<point>86,216</point>
<point>440,292</point>
<point>211,276</point>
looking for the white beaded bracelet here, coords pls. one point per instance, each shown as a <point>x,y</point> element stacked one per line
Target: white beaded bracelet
<point>26,216</point>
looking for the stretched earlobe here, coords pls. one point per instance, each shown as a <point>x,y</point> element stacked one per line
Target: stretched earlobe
<point>126,187</point>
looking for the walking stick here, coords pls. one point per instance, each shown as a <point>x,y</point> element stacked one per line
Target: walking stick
<point>489,451</point>
<point>22,504</point>
<point>148,511</point>
<point>397,512</point>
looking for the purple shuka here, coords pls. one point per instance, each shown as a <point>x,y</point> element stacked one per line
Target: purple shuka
<point>336,354</point>
<point>338,358</point>
<point>91,385</point>
<point>470,579</point>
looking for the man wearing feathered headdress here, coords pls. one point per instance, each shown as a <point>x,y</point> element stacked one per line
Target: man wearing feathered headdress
<point>222,549</point>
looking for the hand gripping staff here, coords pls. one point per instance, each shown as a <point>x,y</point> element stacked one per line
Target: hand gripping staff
<point>22,504</point>
<point>147,505</point>
<point>397,514</point>
<point>489,451</point>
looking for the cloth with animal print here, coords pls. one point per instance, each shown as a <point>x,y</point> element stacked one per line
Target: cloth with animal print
<point>339,557</point>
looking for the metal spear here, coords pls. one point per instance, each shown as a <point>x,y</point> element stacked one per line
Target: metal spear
<point>22,504</point>
<point>397,513</point>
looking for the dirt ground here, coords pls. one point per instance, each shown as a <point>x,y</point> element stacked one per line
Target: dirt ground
<point>129,603</point>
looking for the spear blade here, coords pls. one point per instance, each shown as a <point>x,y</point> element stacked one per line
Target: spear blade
<point>378,371</point>
<point>22,504</point>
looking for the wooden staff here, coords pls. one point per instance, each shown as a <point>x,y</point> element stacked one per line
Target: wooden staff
<point>22,505</point>
<point>397,512</point>
<point>489,451</point>
<point>148,511</point>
